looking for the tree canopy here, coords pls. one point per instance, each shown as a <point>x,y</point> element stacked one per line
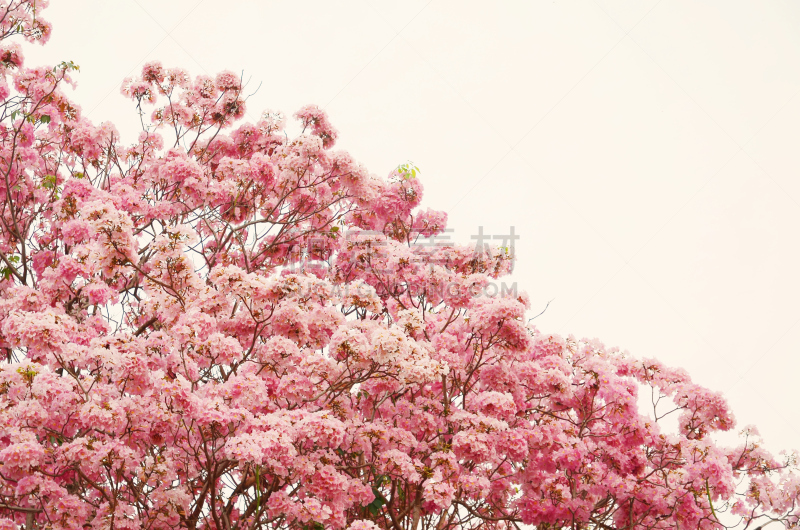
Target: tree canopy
<point>221,327</point>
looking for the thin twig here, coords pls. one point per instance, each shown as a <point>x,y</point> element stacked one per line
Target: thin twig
<point>543,310</point>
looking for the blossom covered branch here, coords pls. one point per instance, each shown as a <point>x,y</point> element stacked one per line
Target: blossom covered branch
<point>220,327</point>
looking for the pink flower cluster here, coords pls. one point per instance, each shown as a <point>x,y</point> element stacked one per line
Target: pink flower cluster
<point>165,365</point>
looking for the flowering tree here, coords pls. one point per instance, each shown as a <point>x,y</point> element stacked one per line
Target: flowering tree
<point>219,327</point>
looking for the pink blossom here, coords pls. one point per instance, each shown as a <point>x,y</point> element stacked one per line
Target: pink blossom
<point>221,325</point>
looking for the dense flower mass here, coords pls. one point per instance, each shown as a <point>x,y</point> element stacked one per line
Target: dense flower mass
<point>220,327</point>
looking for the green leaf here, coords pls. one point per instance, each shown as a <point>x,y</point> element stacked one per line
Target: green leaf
<point>375,506</point>
<point>68,65</point>
<point>45,119</point>
<point>49,182</point>
<point>408,170</point>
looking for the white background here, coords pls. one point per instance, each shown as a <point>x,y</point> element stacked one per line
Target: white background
<point>645,151</point>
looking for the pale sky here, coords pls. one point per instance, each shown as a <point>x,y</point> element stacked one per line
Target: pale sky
<point>645,151</point>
